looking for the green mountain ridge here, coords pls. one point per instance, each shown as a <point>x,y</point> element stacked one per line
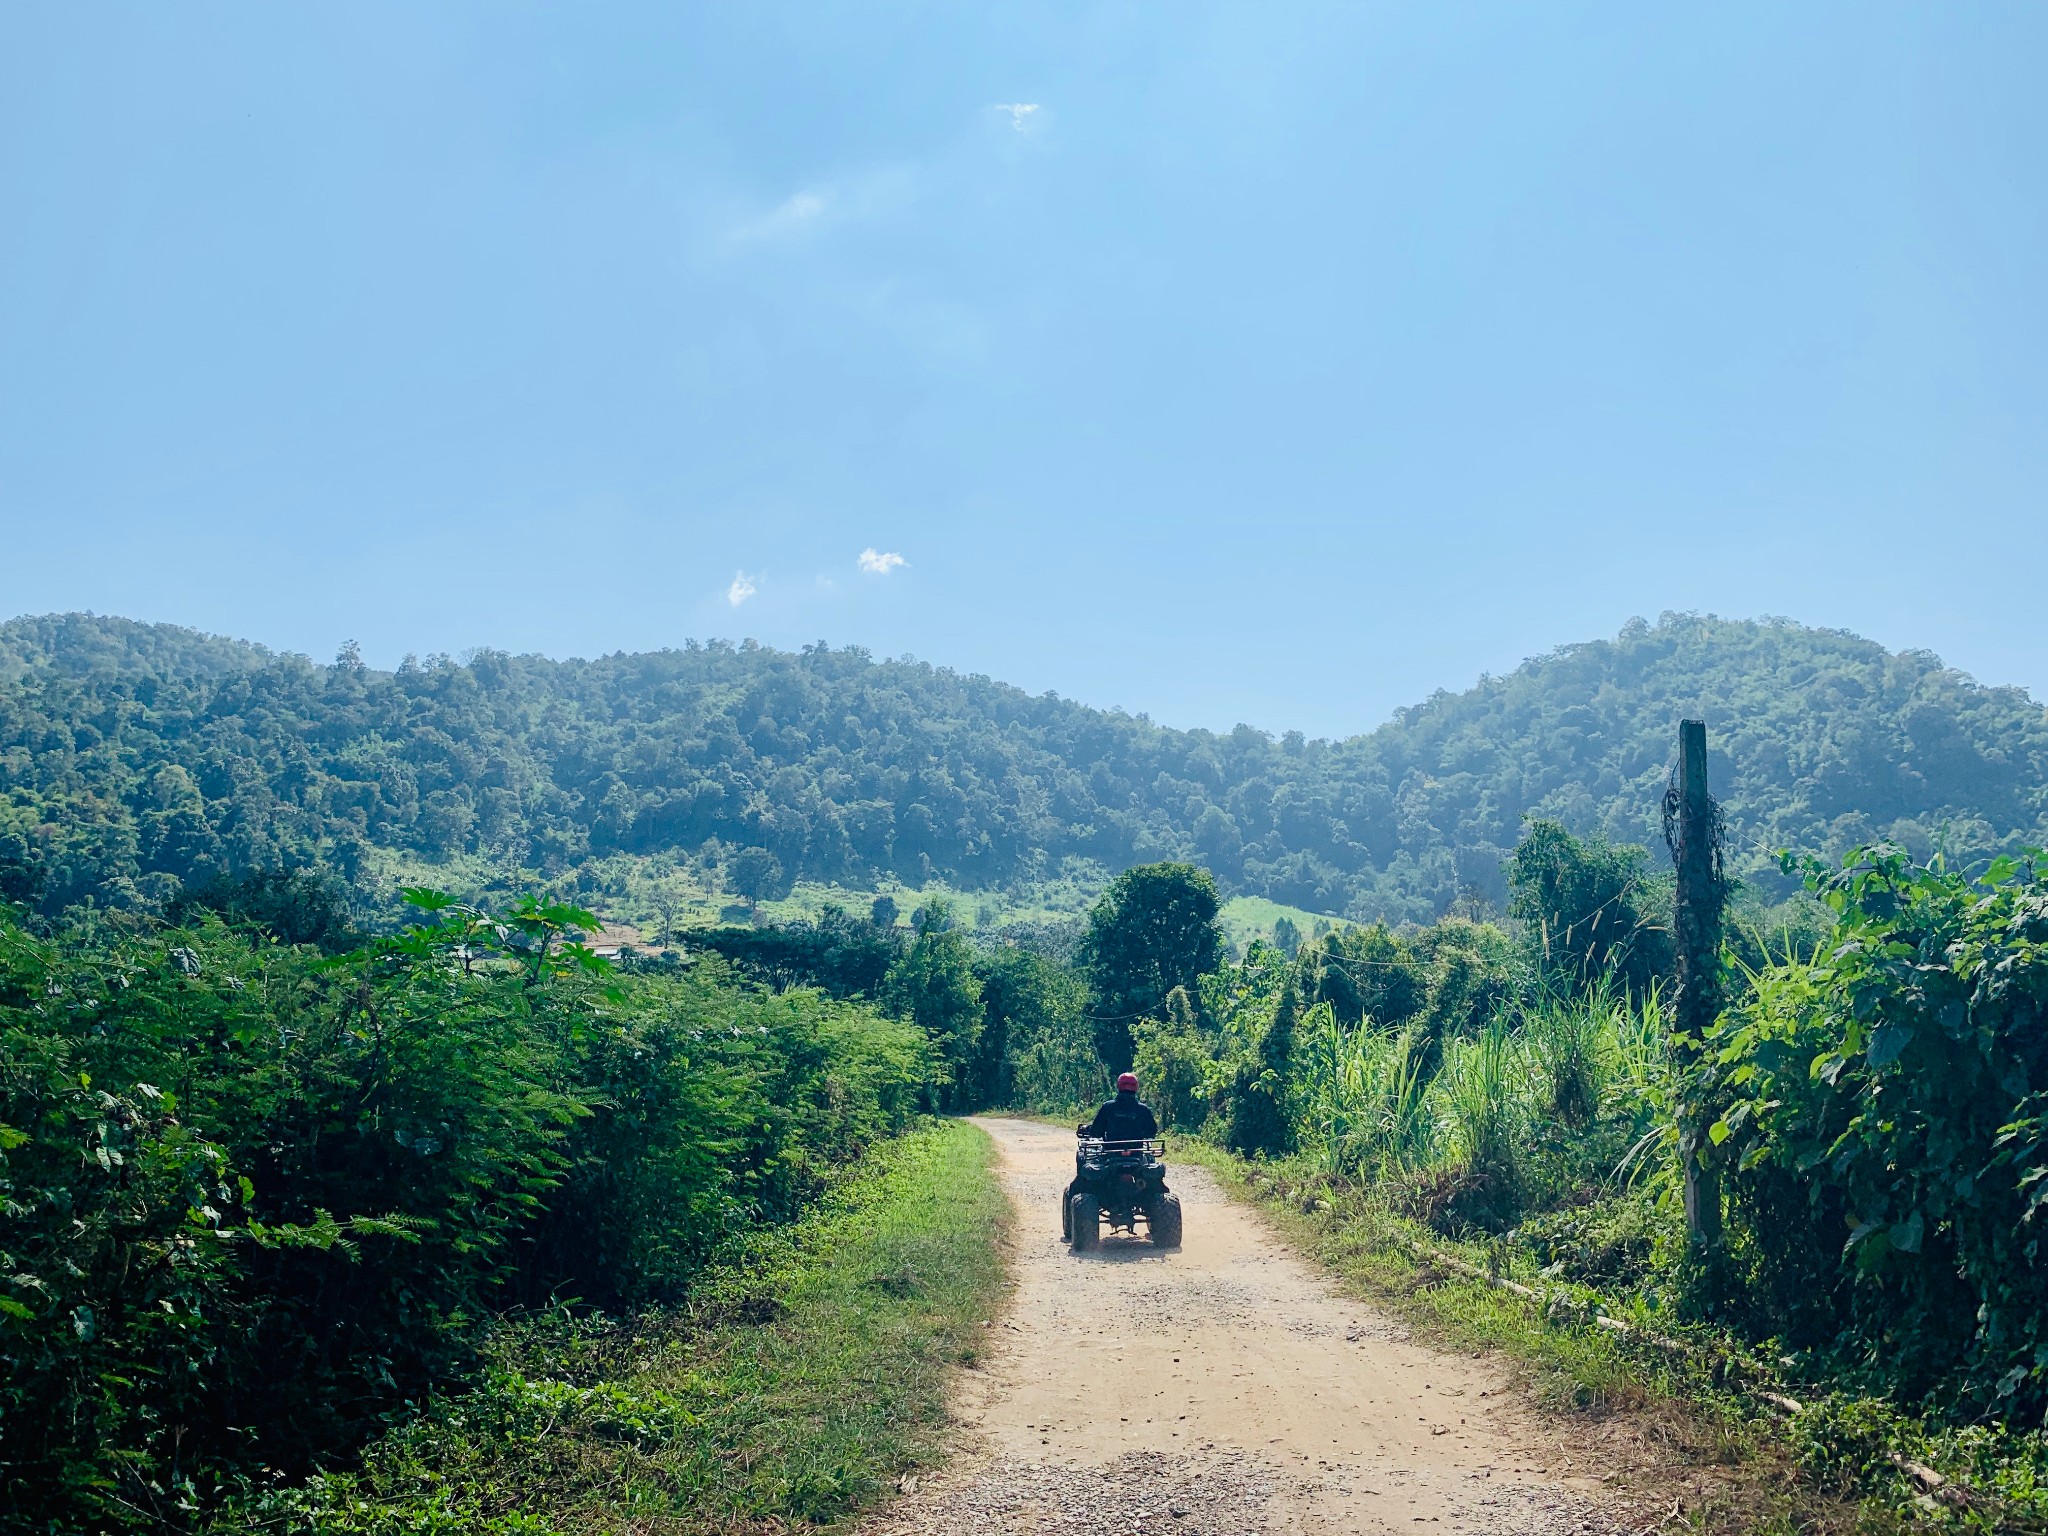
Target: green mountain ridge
<point>137,759</point>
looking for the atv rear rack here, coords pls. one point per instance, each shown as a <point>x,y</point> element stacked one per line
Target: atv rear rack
<point>1156,1145</point>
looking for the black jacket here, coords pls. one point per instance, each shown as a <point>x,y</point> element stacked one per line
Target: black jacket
<point>1123,1118</point>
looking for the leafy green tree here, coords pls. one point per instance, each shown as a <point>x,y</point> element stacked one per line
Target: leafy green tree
<point>1474,973</point>
<point>935,915</point>
<point>755,874</point>
<point>293,906</point>
<point>1590,907</point>
<point>1276,1047</point>
<point>837,954</point>
<point>1367,972</point>
<point>882,913</point>
<point>1182,1017</point>
<point>1153,930</point>
<point>1049,1049</point>
<point>934,986</point>
<point>1032,1009</point>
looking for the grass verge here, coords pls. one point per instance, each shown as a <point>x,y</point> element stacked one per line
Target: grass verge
<point>1666,1436</point>
<point>794,1390</point>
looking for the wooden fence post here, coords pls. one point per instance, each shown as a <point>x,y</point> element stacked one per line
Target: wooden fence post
<point>1696,927</point>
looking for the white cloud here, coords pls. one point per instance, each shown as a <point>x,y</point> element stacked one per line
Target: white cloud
<point>874,193</point>
<point>741,589</point>
<point>787,218</point>
<point>877,563</point>
<point>1020,113</point>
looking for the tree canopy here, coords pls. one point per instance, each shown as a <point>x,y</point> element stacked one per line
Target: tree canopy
<point>1153,930</point>
<point>138,760</point>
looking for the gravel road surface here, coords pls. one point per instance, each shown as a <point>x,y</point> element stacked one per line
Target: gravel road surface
<point>1225,1388</point>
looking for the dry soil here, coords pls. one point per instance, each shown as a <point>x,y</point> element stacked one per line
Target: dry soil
<point>1224,1388</point>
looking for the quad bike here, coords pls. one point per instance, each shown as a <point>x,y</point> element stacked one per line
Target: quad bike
<point>1123,1181</point>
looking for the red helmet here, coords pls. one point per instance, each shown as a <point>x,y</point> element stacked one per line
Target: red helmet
<point>1128,1083</point>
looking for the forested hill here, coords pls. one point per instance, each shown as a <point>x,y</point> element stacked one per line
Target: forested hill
<point>135,758</point>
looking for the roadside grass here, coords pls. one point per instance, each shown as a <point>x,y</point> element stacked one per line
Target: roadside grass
<point>1669,1434</point>
<point>794,1390</point>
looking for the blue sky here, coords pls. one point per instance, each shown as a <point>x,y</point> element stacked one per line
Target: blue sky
<point>1262,362</point>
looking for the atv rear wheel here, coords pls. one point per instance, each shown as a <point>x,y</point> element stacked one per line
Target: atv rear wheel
<point>1084,1222</point>
<point>1163,1220</point>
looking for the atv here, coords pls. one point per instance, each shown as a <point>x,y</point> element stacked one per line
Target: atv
<point>1123,1181</point>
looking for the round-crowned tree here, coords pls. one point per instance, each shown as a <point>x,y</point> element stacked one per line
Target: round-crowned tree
<point>1153,930</point>
<point>755,874</point>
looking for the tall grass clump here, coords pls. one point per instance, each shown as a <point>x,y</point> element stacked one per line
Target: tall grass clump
<point>1571,1046</point>
<point>1642,1051</point>
<point>1365,1097</point>
<point>1482,1110</point>
<point>1556,1100</point>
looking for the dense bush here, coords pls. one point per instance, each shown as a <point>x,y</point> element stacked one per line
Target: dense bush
<point>256,1199</point>
<point>1037,1048</point>
<point>699,1418</point>
<point>1448,979</point>
<point>1882,1108</point>
<point>1009,1023</point>
<point>843,954</point>
<point>1592,908</point>
<point>934,986</point>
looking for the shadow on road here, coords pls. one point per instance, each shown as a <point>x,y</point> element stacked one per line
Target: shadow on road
<point>1122,1250</point>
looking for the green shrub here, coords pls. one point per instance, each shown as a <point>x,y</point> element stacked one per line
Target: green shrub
<point>1610,1243</point>
<point>1252,1091</point>
<point>257,1199</point>
<point>1172,1067</point>
<point>700,1418</point>
<point>1591,907</point>
<point>1367,973</point>
<point>1041,1008</point>
<point>1881,1108</point>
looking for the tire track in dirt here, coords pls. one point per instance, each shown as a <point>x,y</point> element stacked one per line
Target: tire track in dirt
<point>1224,1388</point>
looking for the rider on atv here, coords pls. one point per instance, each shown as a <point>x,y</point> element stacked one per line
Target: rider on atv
<point>1124,1118</point>
<point>1119,1176</point>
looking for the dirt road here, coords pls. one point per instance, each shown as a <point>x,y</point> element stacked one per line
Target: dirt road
<point>1225,1388</point>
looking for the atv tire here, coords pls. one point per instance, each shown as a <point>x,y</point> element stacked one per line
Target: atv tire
<point>1084,1223</point>
<point>1163,1221</point>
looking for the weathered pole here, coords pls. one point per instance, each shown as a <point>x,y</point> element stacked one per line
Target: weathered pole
<point>1696,926</point>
